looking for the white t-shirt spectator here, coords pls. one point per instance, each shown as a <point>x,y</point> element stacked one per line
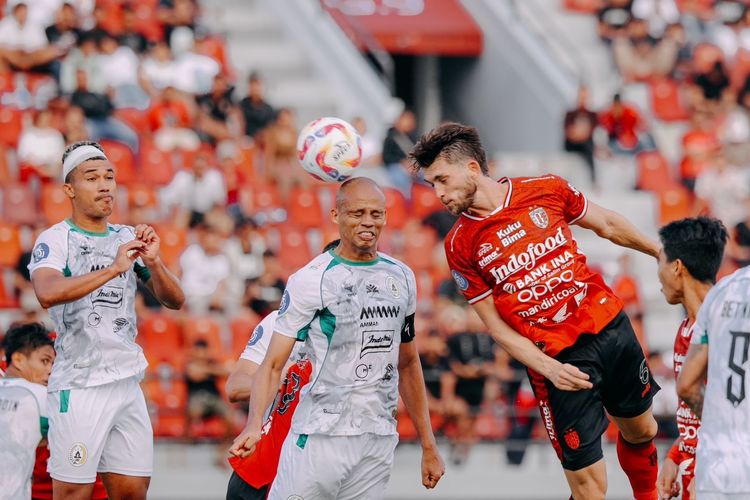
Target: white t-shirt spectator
<point>245,266</point>
<point>725,191</point>
<point>161,74</point>
<point>201,273</point>
<point>194,73</point>
<point>191,193</point>
<point>120,68</point>
<point>29,37</point>
<point>41,146</point>
<point>41,12</point>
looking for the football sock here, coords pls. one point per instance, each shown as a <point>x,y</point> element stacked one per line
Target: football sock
<point>640,464</point>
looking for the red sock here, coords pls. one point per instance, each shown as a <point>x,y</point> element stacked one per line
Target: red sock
<point>640,464</point>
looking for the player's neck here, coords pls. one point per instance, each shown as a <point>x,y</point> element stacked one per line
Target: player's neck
<point>490,195</point>
<point>93,225</point>
<point>355,255</point>
<point>12,372</point>
<point>695,292</point>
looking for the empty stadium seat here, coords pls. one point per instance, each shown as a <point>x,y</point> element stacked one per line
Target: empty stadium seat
<point>10,245</point>
<point>304,210</point>
<point>19,205</point>
<point>156,165</point>
<point>418,247</point>
<point>674,203</point>
<point>135,118</point>
<point>173,242</point>
<point>395,205</point>
<point>424,201</point>
<point>11,124</point>
<point>203,328</point>
<point>666,101</point>
<point>55,205</point>
<point>161,334</point>
<point>122,158</point>
<point>653,171</point>
<point>140,195</point>
<point>242,328</point>
<point>258,198</point>
<point>294,250</point>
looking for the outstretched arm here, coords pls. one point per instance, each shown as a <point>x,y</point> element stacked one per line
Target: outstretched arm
<point>617,229</point>
<point>412,389</point>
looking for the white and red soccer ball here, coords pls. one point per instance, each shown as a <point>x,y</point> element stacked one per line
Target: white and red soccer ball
<point>329,149</point>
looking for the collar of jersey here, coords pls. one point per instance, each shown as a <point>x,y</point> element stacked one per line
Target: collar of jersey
<point>506,202</point>
<point>83,231</point>
<point>342,260</point>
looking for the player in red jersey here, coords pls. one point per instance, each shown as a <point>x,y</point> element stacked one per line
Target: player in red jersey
<point>513,256</point>
<point>692,250</point>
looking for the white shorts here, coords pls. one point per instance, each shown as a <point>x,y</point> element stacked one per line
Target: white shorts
<point>702,495</point>
<point>105,428</point>
<point>319,467</point>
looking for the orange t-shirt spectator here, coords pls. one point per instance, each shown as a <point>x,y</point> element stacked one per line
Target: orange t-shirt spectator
<point>170,121</point>
<point>625,127</point>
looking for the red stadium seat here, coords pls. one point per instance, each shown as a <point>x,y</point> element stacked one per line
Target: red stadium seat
<point>167,395</point>
<point>156,165</point>
<point>170,426</point>
<point>122,158</point>
<point>418,248</point>
<point>5,175</point>
<point>241,328</point>
<point>674,203</point>
<point>666,101</point>
<point>7,301</point>
<point>55,205</point>
<point>215,48</point>
<point>258,198</point>
<point>424,200</point>
<point>11,124</point>
<point>294,251</point>
<point>583,6</point>
<point>304,210</point>
<point>395,205</point>
<point>173,243</point>
<point>142,196</point>
<point>653,171</point>
<point>161,334</point>
<point>10,245</point>
<point>203,328</point>
<point>135,118</point>
<point>19,205</point>
<point>146,21</point>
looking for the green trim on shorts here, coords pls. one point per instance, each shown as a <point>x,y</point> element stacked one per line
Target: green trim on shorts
<point>302,441</point>
<point>64,400</point>
<point>43,426</point>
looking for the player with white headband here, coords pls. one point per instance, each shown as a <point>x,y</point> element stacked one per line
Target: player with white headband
<point>85,271</point>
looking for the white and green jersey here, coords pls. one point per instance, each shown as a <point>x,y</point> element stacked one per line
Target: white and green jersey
<point>23,420</point>
<point>352,317</point>
<point>96,334</point>
<point>723,323</point>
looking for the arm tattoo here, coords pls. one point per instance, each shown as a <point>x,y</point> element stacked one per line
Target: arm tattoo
<point>695,400</point>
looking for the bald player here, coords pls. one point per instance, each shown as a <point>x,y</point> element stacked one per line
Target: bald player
<point>354,309</point>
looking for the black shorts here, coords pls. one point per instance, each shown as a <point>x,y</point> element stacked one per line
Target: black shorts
<point>623,386</point>
<point>238,489</point>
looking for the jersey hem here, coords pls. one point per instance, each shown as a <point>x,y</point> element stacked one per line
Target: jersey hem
<point>66,387</point>
<point>583,212</point>
<point>479,297</point>
<point>48,266</point>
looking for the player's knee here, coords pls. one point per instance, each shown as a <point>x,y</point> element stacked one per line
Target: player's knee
<point>591,488</point>
<point>642,433</point>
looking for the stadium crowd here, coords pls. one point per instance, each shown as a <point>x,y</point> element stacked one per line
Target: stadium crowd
<point>201,155</point>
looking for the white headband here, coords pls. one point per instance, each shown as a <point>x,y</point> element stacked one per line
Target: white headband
<point>78,156</point>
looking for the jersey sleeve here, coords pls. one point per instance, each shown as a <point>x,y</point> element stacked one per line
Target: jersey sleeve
<point>407,331</point>
<point>573,203</point>
<point>300,304</point>
<point>50,250</point>
<point>464,273</point>
<point>257,346</point>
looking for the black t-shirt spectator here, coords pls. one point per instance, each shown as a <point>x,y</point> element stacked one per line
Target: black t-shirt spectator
<point>433,368</point>
<point>136,41</point>
<point>471,349</point>
<point>712,86</point>
<point>258,115</point>
<point>218,108</point>
<point>93,105</point>
<point>54,34</point>
<point>397,145</point>
<point>581,116</point>
<point>22,267</point>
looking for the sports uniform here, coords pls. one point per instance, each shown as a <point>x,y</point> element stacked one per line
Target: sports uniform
<point>523,255</point>
<point>41,482</point>
<point>98,416</point>
<point>723,455</point>
<point>23,420</point>
<point>683,451</point>
<point>259,469</point>
<point>352,316</point>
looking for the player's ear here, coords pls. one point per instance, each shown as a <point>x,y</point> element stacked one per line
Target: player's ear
<point>334,215</point>
<point>69,191</point>
<point>18,359</point>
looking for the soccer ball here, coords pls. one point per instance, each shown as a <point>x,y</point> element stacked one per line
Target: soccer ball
<point>329,149</point>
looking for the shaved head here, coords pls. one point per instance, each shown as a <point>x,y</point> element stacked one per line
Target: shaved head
<point>360,185</point>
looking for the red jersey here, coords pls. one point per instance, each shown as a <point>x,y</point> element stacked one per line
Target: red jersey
<point>683,451</point>
<point>41,482</point>
<point>524,255</point>
<point>259,469</point>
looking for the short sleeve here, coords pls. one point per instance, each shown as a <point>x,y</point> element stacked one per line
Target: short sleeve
<point>50,250</point>
<point>299,306</point>
<point>468,280</point>
<point>572,201</point>
<point>407,330</point>
<point>260,339</point>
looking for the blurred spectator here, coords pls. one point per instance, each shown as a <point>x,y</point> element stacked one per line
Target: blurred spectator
<point>23,291</point>
<point>215,109</point>
<point>281,163</point>
<point>83,58</point>
<point>65,30</point>
<point>40,148</point>
<point>433,354</point>
<point>613,17</point>
<point>627,131</point>
<point>639,59</point>
<point>194,72</point>
<point>699,145</point>
<point>665,402</point>
<point>176,13</point>
<point>738,246</point>
<point>580,124</point>
<point>74,125</point>
<point>626,287</point>
<point>169,118</point>
<point>658,14</point>
<point>130,36</point>
<point>245,253</point>
<point>372,148</point>
<point>227,153</point>
<point>523,412</point>
<point>202,372</point>
<point>712,85</point>
<point>263,294</point>
<point>399,140</point>
<point>723,190</point>
<point>120,66</point>
<point>158,70</point>
<point>99,120</point>
<point>23,44</point>
<point>204,272</point>
<point>257,113</point>
<point>194,192</point>
<point>729,32</point>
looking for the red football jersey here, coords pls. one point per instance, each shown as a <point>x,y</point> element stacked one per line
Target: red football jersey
<point>41,482</point>
<point>683,451</point>
<point>524,255</point>
<point>259,469</point>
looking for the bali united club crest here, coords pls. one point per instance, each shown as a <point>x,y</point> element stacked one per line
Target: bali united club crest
<point>539,218</point>
<point>572,439</point>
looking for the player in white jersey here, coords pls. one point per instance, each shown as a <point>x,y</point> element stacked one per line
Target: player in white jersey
<point>354,309</point>
<point>85,271</point>
<point>23,407</point>
<point>718,356</point>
